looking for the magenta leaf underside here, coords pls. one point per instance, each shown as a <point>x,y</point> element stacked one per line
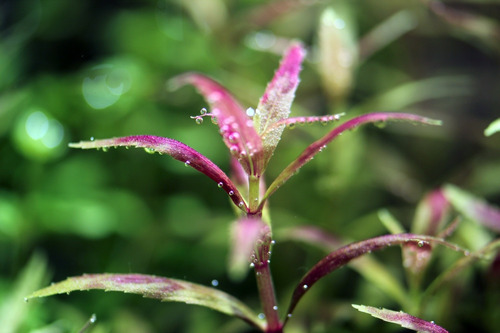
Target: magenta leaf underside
<point>401,318</point>
<point>345,254</point>
<point>317,146</point>
<point>235,126</point>
<point>178,151</point>
<point>155,287</point>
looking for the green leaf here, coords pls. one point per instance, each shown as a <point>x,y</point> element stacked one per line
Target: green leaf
<point>160,288</point>
<point>492,128</point>
<point>473,207</point>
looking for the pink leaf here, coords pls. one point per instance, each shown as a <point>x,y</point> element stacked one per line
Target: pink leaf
<point>235,126</point>
<point>401,318</point>
<point>274,105</point>
<point>245,234</point>
<point>320,144</point>
<point>177,150</point>
<point>430,214</point>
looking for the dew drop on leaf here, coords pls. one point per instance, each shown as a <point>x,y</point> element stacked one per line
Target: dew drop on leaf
<point>187,163</point>
<point>149,150</point>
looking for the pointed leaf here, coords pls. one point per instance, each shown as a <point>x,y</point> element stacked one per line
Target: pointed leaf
<point>401,318</point>
<point>177,150</point>
<point>274,105</point>
<point>320,144</point>
<point>160,288</point>
<point>429,220</point>
<point>473,207</point>
<point>235,126</point>
<point>245,234</point>
<point>371,269</point>
<point>342,256</point>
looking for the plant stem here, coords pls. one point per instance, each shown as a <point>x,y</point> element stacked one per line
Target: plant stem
<point>261,264</point>
<point>253,193</point>
<point>267,296</point>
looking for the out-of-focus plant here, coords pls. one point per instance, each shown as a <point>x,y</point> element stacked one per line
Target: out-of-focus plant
<point>251,136</point>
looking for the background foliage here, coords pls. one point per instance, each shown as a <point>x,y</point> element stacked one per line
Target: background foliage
<point>71,70</point>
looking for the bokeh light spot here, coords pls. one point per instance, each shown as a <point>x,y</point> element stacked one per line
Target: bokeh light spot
<point>105,85</point>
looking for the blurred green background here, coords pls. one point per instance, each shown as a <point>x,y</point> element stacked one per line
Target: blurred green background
<point>72,70</point>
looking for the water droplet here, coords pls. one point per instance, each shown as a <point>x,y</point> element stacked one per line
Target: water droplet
<point>215,283</point>
<point>214,120</point>
<point>104,149</point>
<point>220,184</point>
<point>93,318</point>
<point>26,299</point>
<point>233,137</point>
<point>252,265</point>
<point>233,149</point>
<point>261,316</point>
<point>231,192</point>
<point>268,261</point>
<point>273,242</point>
<point>275,308</point>
<point>289,315</point>
<point>380,124</point>
<point>250,112</point>
<point>420,243</point>
<point>92,138</point>
<point>305,286</point>
<point>187,163</point>
<point>203,111</point>
<point>241,204</point>
<point>199,120</point>
<point>149,150</point>
<point>291,125</point>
